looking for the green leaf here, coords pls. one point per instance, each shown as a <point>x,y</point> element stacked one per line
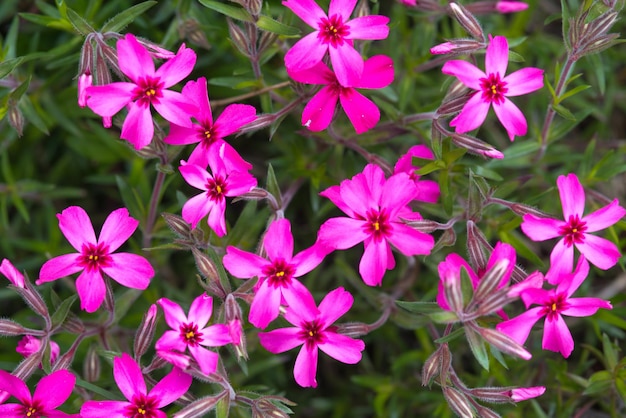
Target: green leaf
<point>48,21</point>
<point>124,302</point>
<point>222,408</point>
<point>479,349</point>
<point>272,185</point>
<point>9,65</point>
<point>565,113</point>
<point>452,336</point>
<point>431,167</point>
<point>96,389</point>
<point>600,382</point>
<point>130,197</point>
<point>121,20</point>
<point>571,92</point>
<point>270,25</point>
<point>230,11</point>
<point>610,355</point>
<point>80,24</point>
<point>58,317</point>
<point>20,90</point>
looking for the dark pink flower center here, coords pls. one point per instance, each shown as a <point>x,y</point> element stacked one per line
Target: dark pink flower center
<point>574,231</point>
<point>377,224</point>
<point>333,30</point>
<point>493,88</point>
<point>279,273</point>
<point>216,188</point>
<point>94,257</point>
<point>190,334</point>
<point>31,410</point>
<point>555,305</point>
<point>206,133</point>
<point>148,90</point>
<point>142,406</point>
<point>312,333</point>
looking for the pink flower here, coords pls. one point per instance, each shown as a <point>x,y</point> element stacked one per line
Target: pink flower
<point>510,6</point>
<point>216,187</point>
<point>208,133</point>
<point>140,402</point>
<point>333,33</point>
<point>362,112</point>
<point>95,256</point>
<point>427,190</point>
<point>10,272</point>
<point>554,303</point>
<point>190,332</point>
<point>493,88</point>
<point>277,275</point>
<point>575,230</point>
<point>313,329</point>
<point>84,81</point>
<point>523,394</point>
<point>375,207</point>
<point>30,345</point>
<point>147,87</point>
<point>50,393</point>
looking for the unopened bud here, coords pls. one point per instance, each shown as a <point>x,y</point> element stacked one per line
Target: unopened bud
<point>28,366</point>
<point>145,332</point>
<point>9,328</point>
<point>510,6</point>
<point>362,9</point>
<point>424,225</point>
<point>33,299</point>
<point>239,38</point>
<point>73,324</point>
<point>504,343</point>
<point>30,345</point>
<point>201,407</point>
<point>232,316</point>
<point>600,44</point>
<point>207,269</point>
<point>353,329</point>
<point>177,224</point>
<point>84,80</point>
<point>476,146</point>
<point>599,26</point>
<point>522,209</point>
<point>454,101</point>
<point>458,402</point>
<point>254,7</point>
<point>267,39</point>
<point>467,20</point>
<point>475,239</point>
<point>10,272</point>
<point>262,121</point>
<point>91,365</point>
<point>192,30</point>
<point>457,46</point>
<point>522,394</point>
<point>432,367</point>
<point>483,412</point>
<point>86,61</point>
<point>16,118</point>
<point>491,280</point>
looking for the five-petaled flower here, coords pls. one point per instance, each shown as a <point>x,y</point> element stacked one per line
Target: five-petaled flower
<point>147,87</point>
<point>313,329</point>
<point>189,332</point>
<point>554,303</point>
<point>334,33</point>
<point>277,275</point>
<point>95,256</point>
<point>50,393</point>
<point>493,88</point>
<point>375,207</point>
<point>575,230</point>
<point>140,403</point>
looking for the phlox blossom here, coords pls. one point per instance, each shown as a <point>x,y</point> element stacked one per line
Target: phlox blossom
<point>30,345</point>
<point>553,304</point>
<point>362,112</point>
<point>313,328</point>
<point>208,133</point>
<point>277,274</point>
<point>427,190</point>
<point>575,230</point>
<point>493,88</point>
<point>10,272</point>
<point>50,393</point>
<point>95,256</point>
<point>375,207</point>
<point>140,402</point>
<point>189,332</point>
<point>146,87</point>
<point>333,33</point>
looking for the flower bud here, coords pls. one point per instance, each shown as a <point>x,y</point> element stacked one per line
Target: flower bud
<point>15,116</point>
<point>476,146</point>
<point>201,407</point>
<point>475,240</point>
<point>456,46</point>
<point>91,365</point>
<point>232,316</point>
<point>239,38</point>
<point>483,412</point>
<point>353,329</point>
<point>10,272</point>
<point>432,367</point>
<point>424,225</point>
<point>145,332</point>
<point>84,80</point>
<point>504,343</point>
<point>9,328</point>
<point>177,224</point>
<point>207,269</point>
<point>458,402</point>
<point>522,394</point>
<point>33,299</point>
<point>467,20</point>
<point>510,6</point>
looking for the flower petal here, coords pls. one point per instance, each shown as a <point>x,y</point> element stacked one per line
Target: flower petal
<point>497,56</point>
<point>176,108</point>
<point>557,337</point>
<point>307,10</point>
<point>523,81</point>
<point>104,409</point>
<point>347,64</point>
<point>128,377</point>
<point>117,228</point>
<point>216,335</point>
<point>374,262</point>
<point>378,73</point>
<point>75,224</point>
<point>318,74</point>
<point>174,314</point>
<point>511,117</point>
<point>138,128</point>
<point>207,360</point>
<point>216,219</point>
<point>342,233</point>
<point>518,328</point>
<point>600,252</point>
<point>243,264</point>
<point>201,310</point>
<point>466,72</point>
<point>179,135</point>
<point>308,259</point>
<point>368,27</point>
<point>305,369</point>
<point>54,389</point>
<point>197,208</point>
<point>472,115</point>
<point>541,229</point>
<point>299,300</point>
<point>572,196</point>
<point>278,241</point>
<point>91,290</point>
<point>409,241</point>
<point>342,348</point>
<point>130,270</point>
<point>561,262</point>
<point>361,111</point>
<point>319,111</point>
<point>239,182</point>
<point>134,60</point>
<point>234,117</point>
<point>171,341</point>
<point>307,52</point>
<point>198,92</point>
<point>280,340</point>
<point>177,68</point>
<point>604,217</point>
<point>171,387</point>
<point>265,305</point>
<point>109,99</point>
<point>15,386</point>
<point>343,8</point>
<point>57,267</point>
<point>334,305</point>
<point>581,307</point>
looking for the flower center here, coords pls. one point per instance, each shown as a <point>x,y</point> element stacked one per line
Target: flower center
<point>206,133</point>
<point>279,273</point>
<point>216,188</point>
<point>190,335</point>
<point>148,90</point>
<point>493,88</point>
<point>555,305</point>
<point>31,412</point>
<point>94,257</point>
<point>377,223</point>
<point>312,333</point>
<point>574,231</point>
<point>333,30</point>
<point>142,406</point>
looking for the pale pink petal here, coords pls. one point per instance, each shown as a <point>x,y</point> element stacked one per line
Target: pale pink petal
<point>600,252</point>
<point>561,262</point>
<point>342,233</point>
<point>368,27</point>
<point>585,306</point>
<point>171,387</point>
<point>361,111</point>
<point>334,305</point>
<point>216,335</point>
<point>109,99</point>
<point>76,226</point>
<point>177,68</point>
<point>307,52</point>
<point>207,360</point>
<point>234,117</point>
<point>216,219</point>
<point>175,108</point>
<point>318,74</point>
<point>557,337</point>
<point>278,241</point>
<point>239,182</point>
<point>243,264</point>
<point>134,60</point>
<point>541,229</point>
<point>197,208</point>
<point>308,259</point>
<point>265,305</point>
<point>342,348</point>
<point>377,73</point>
<point>179,135</point>
<point>200,310</point>
<point>130,270</point>
<point>91,290</point>
<point>57,267</point>
<point>374,262</point>
<point>466,72</point>
<point>523,81</point>
<point>305,369</point>
<point>472,115</point>
<point>15,386</point>
<point>497,56</point>
<point>307,10</point>
<point>319,111</point>
<point>198,92</point>
<point>519,327</point>
<point>128,377</point>
<point>280,340</point>
<point>138,128</point>
<point>347,64</point>
<point>511,118</point>
<point>171,341</point>
<point>343,8</point>
<point>117,228</point>
<point>174,314</point>
<point>604,217</point>
<point>572,196</point>
<point>410,241</point>
<point>300,300</point>
<point>104,409</point>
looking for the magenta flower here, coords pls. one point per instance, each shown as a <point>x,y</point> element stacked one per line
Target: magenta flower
<point>493,88</point>
<point>216,187</point>
<point>523,394</point>
<point>208,133</point>
<point>575,230</point>
<point>190,332</point>
<point>554,303</point>
<point>362,112</point>
<point>510,6</point>
<point>10,272</point>
<point>147,87</point>
<point>333,33</point>
<point>140,403</point>
<point>427,190</point>
<point>30,345</point>
<point>50,393</point>
<point>85,80</point>
<point>375,207</point>
<point>95,256</point>
<point>277,275</point>
<point>313,329</point>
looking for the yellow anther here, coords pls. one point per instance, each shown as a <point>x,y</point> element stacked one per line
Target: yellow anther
<point>207,134</point>
<point>574,230</point>
<point>311,333</point>
<point>376,226</point>
<point>150,92</point>
<point>141,411</point>
<point>190,334</point>
<point>280,274</point>
<point>494,89</point>
<point>93,257</point>
<point>218,189</point>
<point>553,307</point>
